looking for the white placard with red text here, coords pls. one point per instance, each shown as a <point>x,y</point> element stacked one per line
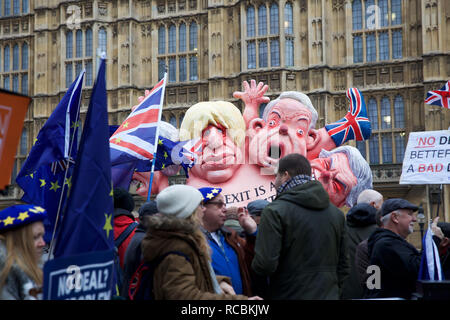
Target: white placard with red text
<point>427,158</point>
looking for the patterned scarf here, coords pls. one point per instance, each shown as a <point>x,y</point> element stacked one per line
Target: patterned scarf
<point>293,182</point>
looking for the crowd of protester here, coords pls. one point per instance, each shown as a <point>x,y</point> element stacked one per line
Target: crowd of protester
<point>299,246</point>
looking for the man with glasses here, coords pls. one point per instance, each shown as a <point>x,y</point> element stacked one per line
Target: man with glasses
<point>231,254</point>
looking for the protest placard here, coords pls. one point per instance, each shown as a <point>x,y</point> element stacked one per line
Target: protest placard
<point>427,158</point>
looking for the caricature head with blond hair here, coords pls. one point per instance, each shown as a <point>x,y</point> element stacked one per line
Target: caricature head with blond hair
<point>221,127</point>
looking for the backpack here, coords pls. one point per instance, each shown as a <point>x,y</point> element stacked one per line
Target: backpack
<point>141,283</point>
<point>117,242</point>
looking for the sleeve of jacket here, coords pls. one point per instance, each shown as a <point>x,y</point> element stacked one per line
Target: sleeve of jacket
<point>174,278</point>
<point>268,243</point>
<point>399,259</point>
<point>343,269</point>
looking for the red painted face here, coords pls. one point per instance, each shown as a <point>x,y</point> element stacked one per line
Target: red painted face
<point>285,131</point>
<point>335,175</point>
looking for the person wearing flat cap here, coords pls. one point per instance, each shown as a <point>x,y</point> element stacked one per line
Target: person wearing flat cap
<point>231,254</point>
<point>174,239</point>
<point>398,260</point>
<point>21,247</point>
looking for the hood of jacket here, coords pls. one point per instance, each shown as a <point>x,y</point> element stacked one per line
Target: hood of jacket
<point>309,195</point>
<point>165,234</point>
<point>361,215</point>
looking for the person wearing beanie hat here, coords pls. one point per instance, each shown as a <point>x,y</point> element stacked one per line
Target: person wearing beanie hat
<point>175,240</point>
<point>21,247</point>
<point>124,221</point>
<point>255,208</point>
<point>231,253</point>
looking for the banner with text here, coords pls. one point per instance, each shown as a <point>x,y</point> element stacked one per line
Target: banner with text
<point>87,276</point>
<point>427,158</point>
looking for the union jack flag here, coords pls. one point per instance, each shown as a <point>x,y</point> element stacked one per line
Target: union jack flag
<point>134,140</point>
<point>355,124</point>
<point>439,97</point>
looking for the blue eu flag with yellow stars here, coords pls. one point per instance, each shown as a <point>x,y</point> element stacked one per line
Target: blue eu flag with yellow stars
<point>43,175</point>
<point>87,223</point>
<point>83,263</point>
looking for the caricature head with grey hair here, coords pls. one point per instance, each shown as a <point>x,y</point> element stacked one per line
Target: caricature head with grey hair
<point>344,173</point>
<point>286,127</point>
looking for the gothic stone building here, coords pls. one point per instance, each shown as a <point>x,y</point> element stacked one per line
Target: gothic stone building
<point>394,51</point>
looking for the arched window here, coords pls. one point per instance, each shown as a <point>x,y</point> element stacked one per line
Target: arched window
<point>371,49</point>
<point>274,19</point>
<point>397,44</point>
<point>288,19</point>
<point>399,112</point>
<point>384,45</point>
<point>102,40</point>
<point>274,53</point>
<point>69,45</point>
<point>289,52</point>
<point>193,36</point>
<point>357,15</point>
<point>251,55</point>
<point>250,21</point>
<point>16,57</point>
<point>386,120</point>
<point>24,6</point>
<point>16,7</point>
<point>7,8</point>
<point>6,56</point>
<point>263,54</point>
<point>182,38</point>
<point>396,9</point>
<point>369,21</point>
<point>262,20</point>
<point>357,49</point>
<point>79,43</point>
<point>69,75</point>
<point>24,56</point>
<point>162,40</point>
<point>24,142</point>
<point>372,111</point>
<point>384,12</point>
<point>88,45</point>
<point>172,39</point>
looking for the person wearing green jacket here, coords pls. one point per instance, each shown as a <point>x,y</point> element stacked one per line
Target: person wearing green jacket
<point>301,243</point>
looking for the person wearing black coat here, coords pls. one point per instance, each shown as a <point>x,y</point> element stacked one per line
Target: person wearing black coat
<point>360,225</point>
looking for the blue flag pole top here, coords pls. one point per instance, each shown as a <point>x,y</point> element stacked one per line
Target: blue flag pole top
<point>83,264</point>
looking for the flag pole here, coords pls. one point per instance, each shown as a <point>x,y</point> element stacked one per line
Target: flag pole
<point>69,152</point>
<point>156,138</point>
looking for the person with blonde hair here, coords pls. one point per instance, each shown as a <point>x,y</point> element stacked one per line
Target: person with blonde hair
<point>21,248</point>
<point>221,127</point>
<point>174,238</point>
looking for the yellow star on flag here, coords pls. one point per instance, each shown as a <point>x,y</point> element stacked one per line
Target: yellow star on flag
<point>160,142</point>
<point>210,196</point>
<point>68,181</point>
<point>165,155</point>
<point>107,227</point>
<point>42,182</point>
<point>118,140</point>
<point>34,141</point>
<point>75,124</point>
<point>215,190</point>
<point>112,191</point>
<point>36,209</point>
<point>23,215</point>
<point>55,186</point>
<point>8,220</point>
<point>125,125</point>
<point>163,166</point>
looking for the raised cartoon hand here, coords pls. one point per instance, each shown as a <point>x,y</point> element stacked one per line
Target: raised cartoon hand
<point>253,94</point>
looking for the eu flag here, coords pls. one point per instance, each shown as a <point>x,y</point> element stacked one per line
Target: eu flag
<point>87,223</point>
<point>43,176</point>
<point>430,264</point>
